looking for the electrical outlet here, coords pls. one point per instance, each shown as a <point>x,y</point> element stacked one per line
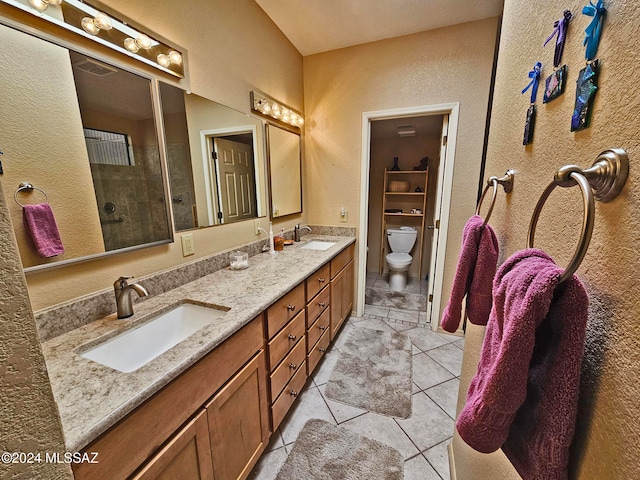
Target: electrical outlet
<point>344,215</point>
<point>188,247</point>
<point>256,226</point>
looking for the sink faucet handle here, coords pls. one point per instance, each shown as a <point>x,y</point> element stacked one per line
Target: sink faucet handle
<point>122,281</point>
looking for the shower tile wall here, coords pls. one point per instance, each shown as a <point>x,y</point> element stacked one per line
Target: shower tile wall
<point>181,181</point>
<point>137,193</point>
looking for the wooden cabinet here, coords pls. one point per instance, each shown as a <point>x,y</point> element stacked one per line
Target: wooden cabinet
<point>286,328</point>
<point>341,289</point>
<point>394,200</point>
<point>136,444</point>
<point>186,456</point>
<point>238,422</point>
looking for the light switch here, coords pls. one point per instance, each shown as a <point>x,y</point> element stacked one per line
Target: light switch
<point>344,215</point>
<point>188,247</point>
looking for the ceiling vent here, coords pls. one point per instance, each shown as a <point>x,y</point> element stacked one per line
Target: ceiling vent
<point>94,67</point>
<point>407,130</point>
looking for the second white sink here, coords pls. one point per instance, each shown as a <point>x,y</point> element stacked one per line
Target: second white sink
<point>134,348</point>
<point>317,245</point>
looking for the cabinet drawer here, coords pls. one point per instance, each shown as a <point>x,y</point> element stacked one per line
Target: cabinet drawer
<point>288,396</point>
<point>317,329</point>
<point>279,314</point>
<point>318,351</point>
<point>286,340</point>
<point>317,305</point>
<point>287,369</point>
<point>317,281</point>
<point>340,260</point>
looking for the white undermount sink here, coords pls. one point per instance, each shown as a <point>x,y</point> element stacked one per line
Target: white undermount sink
<point>317,245</point>
<point>136,347</point>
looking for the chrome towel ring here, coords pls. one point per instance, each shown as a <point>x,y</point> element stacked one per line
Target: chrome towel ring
<point>507,184</point>
<point>28,187</point>
<point>603,182</point>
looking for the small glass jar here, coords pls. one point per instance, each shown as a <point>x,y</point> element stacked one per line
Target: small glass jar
<point>278,243</point>
<point>238,260</point>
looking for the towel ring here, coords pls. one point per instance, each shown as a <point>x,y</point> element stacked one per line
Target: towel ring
<point>507,184</point>
<point>603,182</point>
<point>28,187</point>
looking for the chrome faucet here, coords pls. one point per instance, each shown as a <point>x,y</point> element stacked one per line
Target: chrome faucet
<point>124,304</point>
<point>296,231</point>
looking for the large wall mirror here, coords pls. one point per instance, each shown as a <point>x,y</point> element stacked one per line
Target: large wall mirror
<point>285,174</point>
<point>216,161</point>
<point>83,133</point>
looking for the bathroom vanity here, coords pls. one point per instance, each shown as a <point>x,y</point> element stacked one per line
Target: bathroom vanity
<point>206,407</point>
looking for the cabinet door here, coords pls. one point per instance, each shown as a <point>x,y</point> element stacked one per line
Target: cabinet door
<point>337,293</point>
<point>341,297</point>
<point>187,456</point>
<point>238,421</point>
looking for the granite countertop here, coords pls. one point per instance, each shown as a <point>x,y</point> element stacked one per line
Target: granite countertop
<point>92,397</point>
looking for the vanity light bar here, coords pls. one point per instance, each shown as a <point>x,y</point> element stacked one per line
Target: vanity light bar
<point>265,105</point>
<point>89,22</point>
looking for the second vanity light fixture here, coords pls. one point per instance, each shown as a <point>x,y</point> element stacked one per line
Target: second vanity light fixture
<point>265,105</point>
<point>88,21</point>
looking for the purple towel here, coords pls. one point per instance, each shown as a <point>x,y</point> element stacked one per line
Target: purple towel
<point>474,275</point>
<point>525,393</point>
<point>42,227</point>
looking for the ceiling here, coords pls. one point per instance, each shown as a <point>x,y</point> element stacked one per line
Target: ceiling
<point>315,26</point>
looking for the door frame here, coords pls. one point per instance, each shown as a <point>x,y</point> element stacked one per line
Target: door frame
<point>446,182</point>
<point>205,135</point>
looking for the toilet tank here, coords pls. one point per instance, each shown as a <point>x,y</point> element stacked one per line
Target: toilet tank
<point>401,240</point>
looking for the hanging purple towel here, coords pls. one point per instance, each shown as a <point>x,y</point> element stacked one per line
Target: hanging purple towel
<point>474,275</point>
<point>524,395</point>
<point>41,226</point>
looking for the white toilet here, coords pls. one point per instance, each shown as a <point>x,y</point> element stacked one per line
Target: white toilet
<point>401,241</point>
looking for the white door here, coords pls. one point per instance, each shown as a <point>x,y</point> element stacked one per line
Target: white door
<point>236,178</point>
<point>433,304</point>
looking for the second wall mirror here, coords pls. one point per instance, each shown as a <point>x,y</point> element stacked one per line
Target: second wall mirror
<point>285,171</point>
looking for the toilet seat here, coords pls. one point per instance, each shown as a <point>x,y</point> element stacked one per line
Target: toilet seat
<point>399,260</point>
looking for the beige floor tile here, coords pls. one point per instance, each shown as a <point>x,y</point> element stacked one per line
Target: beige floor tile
<point>269,465</point>
<point>446,396</point>
<point>426,372</point>
<point>399,327</point>
<point>309,405</point>
<point>383,429</point>
<point>417,468</point>
<point>377,311</point>
<point>449,356</point>
<point>425,338</point>
<point>438,457</point>
<point>404,315</point>
<point>428,425</point>
<point>323,370</point>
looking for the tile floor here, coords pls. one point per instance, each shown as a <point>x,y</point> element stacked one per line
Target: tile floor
<point>409,305</point>
<point>423,438</point>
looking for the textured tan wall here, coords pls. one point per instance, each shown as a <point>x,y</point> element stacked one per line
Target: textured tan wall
<point>439,66</point>
<point>34,114</point>
<point>232,47</point>
<point>607,441</point>
<point>28,418</point>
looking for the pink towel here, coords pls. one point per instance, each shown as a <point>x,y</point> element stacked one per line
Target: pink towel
<point>474,275</point>
<point>525,393</point>
<point>42,227</point>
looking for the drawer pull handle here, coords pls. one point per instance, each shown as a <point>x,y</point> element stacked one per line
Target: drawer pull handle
<point>291,307</point>
<point>322,327</point>
<point>321,280</point>
<point>292,337</point>
<point>293,366</point>
<point>322,350</point>
<point>321,304</point>
<point>293,393</point>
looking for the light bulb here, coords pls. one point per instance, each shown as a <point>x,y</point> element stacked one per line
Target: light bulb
<point>131,45</point>
<point>89,26</point>
<point>275,110</point>
<point>300,120</point>
<point>266,108</point>
<point>175,57</point>
<point>102,22</point>
<point>143,41</point>
<point>40,5</point>
<point>164,60</point>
